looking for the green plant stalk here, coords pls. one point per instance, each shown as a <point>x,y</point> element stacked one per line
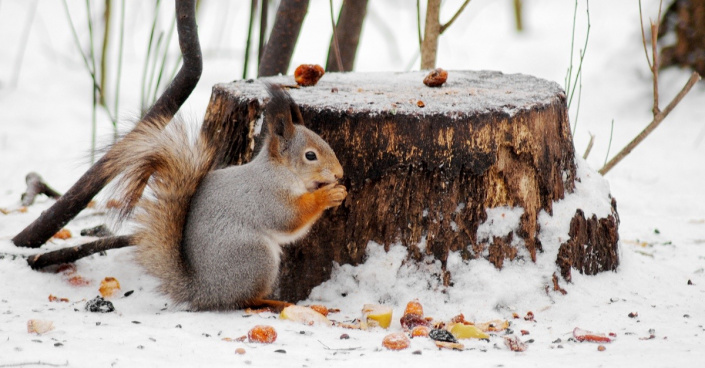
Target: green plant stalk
<point>119,71</point>
<point>96,88</point>
<point>164,57</point>
<point>83,56</point>
<point>250,27</point>
<point>150,77</point>
<point>143,92</point>
<point>107,15</point>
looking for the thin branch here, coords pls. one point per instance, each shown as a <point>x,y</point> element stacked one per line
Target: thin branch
<point>282,40</point>
<point>107,15</point>
<point>694,78</point>
<point>39,362</point>
<point>36,186</point>
<point>347,36</point>
<point>589,147</point>
<point>72,254</point>
<point>643,37</point>
<point>81,193</point>
<point>264,12</point>
<point>455,16</point>
<point>418,21</point>
<point>334,43</point>
<point>119,71</point>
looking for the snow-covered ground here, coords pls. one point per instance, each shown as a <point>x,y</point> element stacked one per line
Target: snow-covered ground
<point>45,127</point>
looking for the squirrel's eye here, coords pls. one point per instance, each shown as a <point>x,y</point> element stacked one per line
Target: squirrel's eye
<point>311,156</point>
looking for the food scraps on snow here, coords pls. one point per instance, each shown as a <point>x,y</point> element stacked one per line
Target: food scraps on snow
<point>109,286</point>
<point>39,326</point>
<point>262,334</point>
<point>584,335</point>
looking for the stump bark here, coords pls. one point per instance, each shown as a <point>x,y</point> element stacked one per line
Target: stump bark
<point>422,165</point>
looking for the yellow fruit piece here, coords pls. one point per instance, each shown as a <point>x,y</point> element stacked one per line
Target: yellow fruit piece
<point>462,331</point>
<point>375,315</point>
<point>304,315</point>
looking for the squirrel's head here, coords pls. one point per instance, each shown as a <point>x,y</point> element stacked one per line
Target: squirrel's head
<point>295,146</point>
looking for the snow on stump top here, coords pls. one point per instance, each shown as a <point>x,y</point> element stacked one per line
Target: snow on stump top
<point>427,167</point>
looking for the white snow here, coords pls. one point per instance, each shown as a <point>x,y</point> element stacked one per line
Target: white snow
<point>45,127</point>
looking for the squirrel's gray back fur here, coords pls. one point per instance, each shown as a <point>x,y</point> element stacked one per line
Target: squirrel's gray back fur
<point>213,236</point>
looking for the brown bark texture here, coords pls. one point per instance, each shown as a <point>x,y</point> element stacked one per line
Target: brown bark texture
<point>686,20</point>
<point>421,164</point>
<point>282,40</point>
<point>347,30</point>
<point>592,247</point>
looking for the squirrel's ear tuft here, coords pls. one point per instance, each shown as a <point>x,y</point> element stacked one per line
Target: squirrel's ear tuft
<point>279,112</point>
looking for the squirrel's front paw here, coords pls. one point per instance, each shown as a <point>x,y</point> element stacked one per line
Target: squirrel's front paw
<point>335,194</point>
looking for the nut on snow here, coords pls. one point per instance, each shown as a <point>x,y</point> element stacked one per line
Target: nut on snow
<point>436,78</point>
<point>307,75</point>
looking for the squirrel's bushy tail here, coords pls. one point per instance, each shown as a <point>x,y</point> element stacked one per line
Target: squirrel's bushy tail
<point>170,163</point>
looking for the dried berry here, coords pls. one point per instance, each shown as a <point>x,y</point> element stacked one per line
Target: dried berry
<point>601,348</point>
<point>420,103</point>
<point>396,341</point>
<point>633,314</point>
<point>436,78</point>
<point>409,321</point>
<point>53,298</point>
<point>420,331</point>
<point>414,307</point>
<point>308,74</point>
<point>262,334</point>
<point>442,335</point>
<point>240,351</point>
<point>529,316</point>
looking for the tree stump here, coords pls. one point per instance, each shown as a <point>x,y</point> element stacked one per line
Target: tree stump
<point>423,164</point>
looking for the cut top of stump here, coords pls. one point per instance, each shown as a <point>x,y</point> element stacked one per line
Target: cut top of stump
<point>465,93</point>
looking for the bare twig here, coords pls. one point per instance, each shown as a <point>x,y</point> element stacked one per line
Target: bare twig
<point>659,115</point>
<point>347,36</point>
<point>454,17</point>
<point>334,42</point>
<point>643,38</point>
<point>694,78</point>
<point>36,186</point>
<point>39,362</point>
<point>81,193</point>
<point>589,147</point>
<point>285,32</point>
<point>264,12</point>
<point>107,15</point>
<point>72,254</point>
